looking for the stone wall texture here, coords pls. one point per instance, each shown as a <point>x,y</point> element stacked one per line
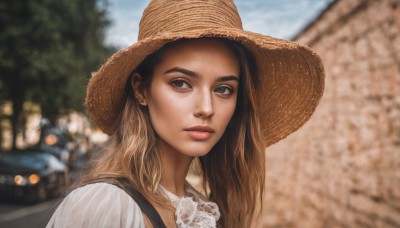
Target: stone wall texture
<point>342,168</point>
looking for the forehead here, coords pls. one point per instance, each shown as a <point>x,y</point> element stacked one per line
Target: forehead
<point>203,50</point>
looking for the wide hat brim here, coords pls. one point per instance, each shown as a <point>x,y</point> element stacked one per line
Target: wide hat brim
<point>291,77</point>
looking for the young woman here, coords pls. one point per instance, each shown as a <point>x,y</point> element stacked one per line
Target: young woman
<point>197,88</point>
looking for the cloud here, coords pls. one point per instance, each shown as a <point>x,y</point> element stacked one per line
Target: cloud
<point>281,19</point>
<point>125,16</point>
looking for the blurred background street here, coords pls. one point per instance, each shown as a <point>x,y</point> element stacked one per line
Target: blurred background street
<point>48,50</point>
<point>342,169</point>
<point>16,214</point>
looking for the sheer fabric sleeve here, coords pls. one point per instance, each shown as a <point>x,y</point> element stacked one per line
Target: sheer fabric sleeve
<point>97,205</point>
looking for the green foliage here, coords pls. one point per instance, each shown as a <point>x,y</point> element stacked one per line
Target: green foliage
<point>48,49</point>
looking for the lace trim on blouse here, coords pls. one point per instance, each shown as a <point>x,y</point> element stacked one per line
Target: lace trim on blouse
<point>192,211</point>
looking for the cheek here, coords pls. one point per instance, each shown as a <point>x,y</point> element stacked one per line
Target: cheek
<point>226,112</point>
<point>164,109</point>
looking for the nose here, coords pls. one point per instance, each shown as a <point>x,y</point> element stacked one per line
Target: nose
<point>204,106</point>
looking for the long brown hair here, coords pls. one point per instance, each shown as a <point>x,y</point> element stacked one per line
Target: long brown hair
<point>233,171</point>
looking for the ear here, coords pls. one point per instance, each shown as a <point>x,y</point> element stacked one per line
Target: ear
<point>138,88</point>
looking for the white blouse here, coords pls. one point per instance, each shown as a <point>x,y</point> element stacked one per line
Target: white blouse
<point>193,210</point>
<point>105,205</point>
<point>95,206</point>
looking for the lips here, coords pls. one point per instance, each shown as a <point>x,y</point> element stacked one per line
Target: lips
<point>200,132</point>
<point>200,128</point>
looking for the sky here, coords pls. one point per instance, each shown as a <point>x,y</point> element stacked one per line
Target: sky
<point>278,18</point>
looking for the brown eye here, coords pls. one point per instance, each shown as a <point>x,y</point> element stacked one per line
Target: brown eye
<point>181,84</point>
<point>223,90</point>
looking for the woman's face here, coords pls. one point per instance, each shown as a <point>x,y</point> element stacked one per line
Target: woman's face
<point>192,95</point>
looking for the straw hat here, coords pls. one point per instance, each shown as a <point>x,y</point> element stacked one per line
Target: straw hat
<point>292,75</point>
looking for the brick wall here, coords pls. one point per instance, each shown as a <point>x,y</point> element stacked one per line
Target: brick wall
<point>342,169</point>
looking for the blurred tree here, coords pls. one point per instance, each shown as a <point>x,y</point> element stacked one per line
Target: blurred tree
<point>48,49</point>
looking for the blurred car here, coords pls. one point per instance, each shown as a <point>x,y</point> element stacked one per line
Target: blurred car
<point>30,176</point>
<point>54,140</point>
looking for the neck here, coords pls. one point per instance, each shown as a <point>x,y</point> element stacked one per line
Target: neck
<point>175,167</point>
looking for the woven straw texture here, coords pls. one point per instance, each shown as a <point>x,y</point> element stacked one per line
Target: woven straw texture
<point>292,75</point>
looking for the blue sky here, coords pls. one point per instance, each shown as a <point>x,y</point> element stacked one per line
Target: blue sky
<point>277,18</point>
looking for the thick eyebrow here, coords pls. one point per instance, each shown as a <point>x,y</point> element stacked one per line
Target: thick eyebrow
<point>183,71</point>
<point>228,78</point>
<point>196,75</point>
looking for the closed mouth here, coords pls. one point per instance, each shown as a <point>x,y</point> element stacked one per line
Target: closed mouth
<point>200,129</point>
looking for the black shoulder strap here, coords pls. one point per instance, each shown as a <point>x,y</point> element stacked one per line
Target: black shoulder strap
<point>143,203</point>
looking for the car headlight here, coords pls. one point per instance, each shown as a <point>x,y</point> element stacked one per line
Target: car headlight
<point>20,180</point>
<point>34,179</point>
<point>51,139</point>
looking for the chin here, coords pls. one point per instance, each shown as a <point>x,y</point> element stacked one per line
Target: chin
<point>196,151</point>
<point>201,154</point>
